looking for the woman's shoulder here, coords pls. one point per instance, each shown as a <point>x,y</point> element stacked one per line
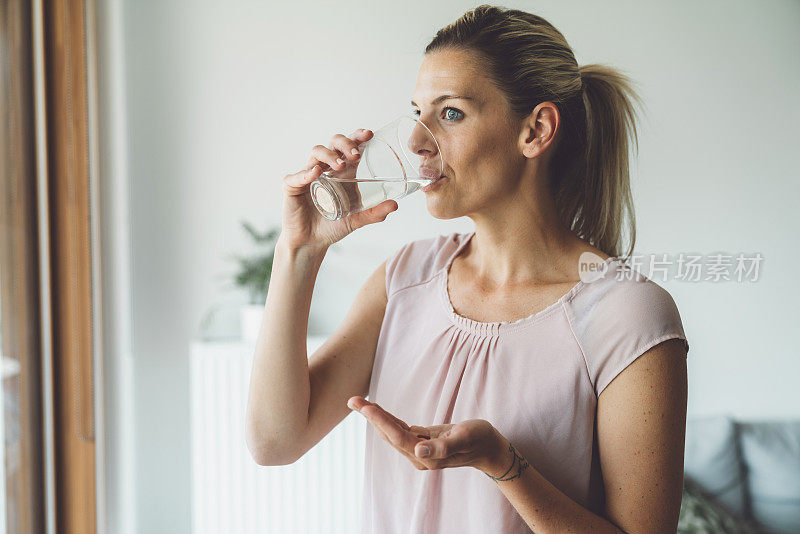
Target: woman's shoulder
<point>619,288</point>
<point>621,296</point>
<point>620,315</point>
<point>419,261</point>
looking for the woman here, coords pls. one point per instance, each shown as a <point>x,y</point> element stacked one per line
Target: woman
<point>547,402</point>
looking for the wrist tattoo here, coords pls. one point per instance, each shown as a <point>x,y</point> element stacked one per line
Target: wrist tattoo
<point>518,460</point>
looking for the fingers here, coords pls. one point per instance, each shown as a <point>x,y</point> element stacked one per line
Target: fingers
<point>361,135</point>
<point>395,430</point>
<point>377,411</point>
<point>373,215</point>
<point>443,447</point>
<point>335,158</point>
<point>327,158</point>
<point>340,150</point>
<point>446,451</point>
<point>420,432</point>
<point>296,184</point>
<point>358,137</point>
<point>348,147</point>
<point>425,464</point>
<point>417,463</point>
<point>357,402</point>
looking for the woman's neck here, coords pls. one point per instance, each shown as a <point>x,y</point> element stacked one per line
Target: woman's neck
<point>523,242</point>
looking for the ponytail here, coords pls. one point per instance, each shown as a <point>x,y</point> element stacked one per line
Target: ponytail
<point>608,100</point>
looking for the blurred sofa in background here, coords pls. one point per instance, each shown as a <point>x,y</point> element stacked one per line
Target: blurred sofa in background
<point>741,476</point>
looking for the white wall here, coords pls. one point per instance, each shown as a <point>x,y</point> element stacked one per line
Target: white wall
<point>224,98</point>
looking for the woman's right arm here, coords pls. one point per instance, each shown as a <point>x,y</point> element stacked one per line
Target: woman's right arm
<point>292,403</point>
<point>279,381</point>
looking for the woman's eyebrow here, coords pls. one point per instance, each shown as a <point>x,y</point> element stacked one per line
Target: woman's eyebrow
<point>446,97</point>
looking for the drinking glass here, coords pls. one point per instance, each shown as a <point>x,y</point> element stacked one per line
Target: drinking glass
<point>400,158</point>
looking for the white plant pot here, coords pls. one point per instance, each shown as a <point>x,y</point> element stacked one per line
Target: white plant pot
<point>250,316</point>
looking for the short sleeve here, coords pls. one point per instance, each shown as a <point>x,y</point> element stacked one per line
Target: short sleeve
<point>417,262</point>
<point>393,264</point>
<point>625,321</point>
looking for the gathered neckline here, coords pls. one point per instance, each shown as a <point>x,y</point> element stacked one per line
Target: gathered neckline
<point>494,328</point>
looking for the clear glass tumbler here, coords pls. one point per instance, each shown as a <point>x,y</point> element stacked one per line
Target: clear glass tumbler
<point>400,158</point>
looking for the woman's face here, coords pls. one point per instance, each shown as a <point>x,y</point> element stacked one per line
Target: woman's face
<point>477,136</point>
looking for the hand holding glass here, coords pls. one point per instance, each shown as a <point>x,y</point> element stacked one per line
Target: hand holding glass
<point>400,158</point>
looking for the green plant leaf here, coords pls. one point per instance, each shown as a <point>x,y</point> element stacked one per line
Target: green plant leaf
<point>255,271</point>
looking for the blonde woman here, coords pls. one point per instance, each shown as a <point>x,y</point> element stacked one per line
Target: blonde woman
<point>507,394</point>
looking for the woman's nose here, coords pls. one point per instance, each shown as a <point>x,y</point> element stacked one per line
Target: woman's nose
<point>422,142</point>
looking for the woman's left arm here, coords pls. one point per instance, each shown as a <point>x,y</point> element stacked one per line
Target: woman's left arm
<point>641,425</point>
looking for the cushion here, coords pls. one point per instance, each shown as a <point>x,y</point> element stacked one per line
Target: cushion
<point>713,461</point>
<point>701,514</point>
<point>771,455</point>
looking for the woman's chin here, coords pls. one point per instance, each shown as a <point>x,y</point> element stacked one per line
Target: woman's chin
<point>439,209</point>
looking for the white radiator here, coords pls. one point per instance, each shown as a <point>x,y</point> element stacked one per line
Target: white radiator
<point>231,494</point>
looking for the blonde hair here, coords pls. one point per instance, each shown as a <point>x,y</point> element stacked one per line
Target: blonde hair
<point>530,62</point>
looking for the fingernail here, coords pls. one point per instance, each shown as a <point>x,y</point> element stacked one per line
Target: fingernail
<point>355,152</point>
<point>424,452</point>
<point>340,161</point>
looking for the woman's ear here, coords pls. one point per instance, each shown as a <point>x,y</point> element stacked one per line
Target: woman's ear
<point>539,129</point>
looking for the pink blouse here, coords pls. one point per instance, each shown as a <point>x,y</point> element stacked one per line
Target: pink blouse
<point>536,380</point>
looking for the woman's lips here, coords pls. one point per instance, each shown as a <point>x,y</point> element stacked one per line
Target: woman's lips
<point>432,184</point>
<point>429,172</point>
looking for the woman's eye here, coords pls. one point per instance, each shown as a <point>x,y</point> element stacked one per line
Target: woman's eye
<point>446,111</point>
<point>450,117</point>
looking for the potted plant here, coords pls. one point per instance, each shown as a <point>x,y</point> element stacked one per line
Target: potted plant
<point>253,276</point>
